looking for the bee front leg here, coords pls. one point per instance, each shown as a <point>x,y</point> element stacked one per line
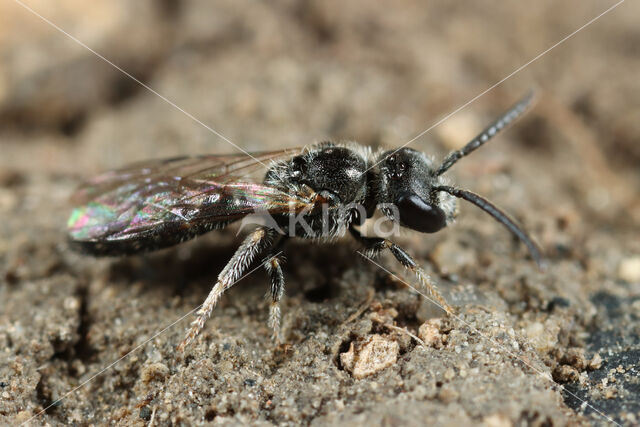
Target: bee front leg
<point>254,244</point>
<point>374,245</point>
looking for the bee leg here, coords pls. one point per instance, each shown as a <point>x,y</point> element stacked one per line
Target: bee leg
<point>255,243</point>
<point>274,269</point>
<point>375,245</point>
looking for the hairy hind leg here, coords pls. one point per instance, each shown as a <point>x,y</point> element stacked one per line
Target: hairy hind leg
<point>255,243</point>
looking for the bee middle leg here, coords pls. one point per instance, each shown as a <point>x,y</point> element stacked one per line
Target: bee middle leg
<point>273,265</point>
<point>375,245</point>
<point>274,269</point>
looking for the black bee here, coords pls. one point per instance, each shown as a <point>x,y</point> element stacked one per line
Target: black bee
<point>321,192</point>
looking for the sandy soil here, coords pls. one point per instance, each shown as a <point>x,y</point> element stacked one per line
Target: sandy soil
<point>527,347</point>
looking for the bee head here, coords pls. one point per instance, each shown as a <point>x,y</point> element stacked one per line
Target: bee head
<point>407,182</point>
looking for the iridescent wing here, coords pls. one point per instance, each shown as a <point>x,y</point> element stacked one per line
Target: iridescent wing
<point>159,203</point>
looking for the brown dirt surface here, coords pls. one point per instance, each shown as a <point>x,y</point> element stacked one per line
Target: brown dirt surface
<point>93,341</point>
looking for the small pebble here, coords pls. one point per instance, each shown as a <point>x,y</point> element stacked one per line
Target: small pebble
<point>565,374</point>
<point>71,303</point>
<point>448,394</point>
<point>497,420</point>
<point>629,269</point>
<point>23,417</point>
<point>154,371</point>
<point>429,332</point>
<point>543,337</point>
<point>376,354</point>
<point>596,362</point>
<point>449,374</point>
<point>575,357</point>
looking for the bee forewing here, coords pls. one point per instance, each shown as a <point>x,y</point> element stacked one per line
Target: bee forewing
<point>177,194</point>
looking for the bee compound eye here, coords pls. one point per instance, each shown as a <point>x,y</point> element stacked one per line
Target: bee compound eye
<point>419,215</point>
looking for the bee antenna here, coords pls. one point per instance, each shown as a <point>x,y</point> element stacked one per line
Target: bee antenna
<point>489,132</point>
<point>499,216</point>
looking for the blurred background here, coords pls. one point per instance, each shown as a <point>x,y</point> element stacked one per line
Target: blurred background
<point>287,73</point>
